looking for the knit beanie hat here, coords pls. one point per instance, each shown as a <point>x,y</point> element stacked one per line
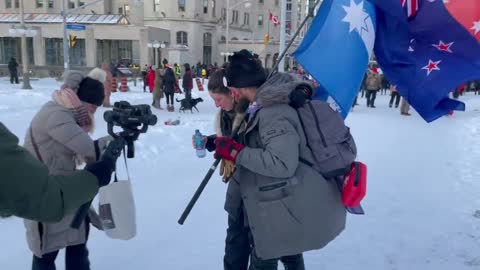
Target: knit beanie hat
<point>245,70</point>
<point>91,91</point>
<point>98,74</point>
<point>72,79</point>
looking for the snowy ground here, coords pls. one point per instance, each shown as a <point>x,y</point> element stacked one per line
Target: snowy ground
<point>423,192</point>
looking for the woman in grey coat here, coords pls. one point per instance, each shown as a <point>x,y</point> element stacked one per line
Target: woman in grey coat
<point>58,137</point>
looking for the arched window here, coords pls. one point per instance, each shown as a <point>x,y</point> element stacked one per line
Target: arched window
<point>182,38</point>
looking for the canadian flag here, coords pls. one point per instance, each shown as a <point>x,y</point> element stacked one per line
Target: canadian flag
<point>273,19</point>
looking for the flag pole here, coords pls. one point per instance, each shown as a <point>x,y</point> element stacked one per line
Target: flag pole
<point>284,52</point>
<point>268,27</point>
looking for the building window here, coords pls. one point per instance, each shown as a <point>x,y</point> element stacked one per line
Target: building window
<point>8,4</point>
<point>234,17</point>
<point>207,48</point>
<point>277,2</point>
<point>11,47</point>
<point>182,38</point>
<point>261,1</point>
<point>181,5</point>
<point>39,3</point>
<point>71,4</point>
<point>50,3</point>
<point>81,3</point>
<point>214,5</point>
<point>54,51</point>
<point>260,19</point>
<point>115,51</point>
<point>205,6</point>
<point>120,10</point>
<point>224,14</point>
<point>246,19</point>
<point>156,5</point>
<point>17,3</point>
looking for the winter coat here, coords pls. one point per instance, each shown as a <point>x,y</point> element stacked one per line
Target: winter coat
<point>169,81</point>
<point>373,81</point>
<point>151,80</point>
<point>187,82</point>
<point>158,91</point>
<point>59,140</point>
<point>28,190</point>
<point>12,66</point>
<point>290,207</point>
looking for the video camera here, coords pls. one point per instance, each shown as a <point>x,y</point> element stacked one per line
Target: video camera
<point>133,119</point>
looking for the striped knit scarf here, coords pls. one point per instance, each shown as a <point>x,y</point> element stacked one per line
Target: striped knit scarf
<point>67,98</point>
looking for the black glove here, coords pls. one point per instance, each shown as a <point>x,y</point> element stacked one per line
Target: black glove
<point>299,96</point>
<point>210,145</point>
<point>102,169</point>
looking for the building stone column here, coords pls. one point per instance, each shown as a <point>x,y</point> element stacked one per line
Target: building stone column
<point>39,53</point>
<point>146,55</point>
<point>90,48</point>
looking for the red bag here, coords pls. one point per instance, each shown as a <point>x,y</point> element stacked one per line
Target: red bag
<point>355,185</point>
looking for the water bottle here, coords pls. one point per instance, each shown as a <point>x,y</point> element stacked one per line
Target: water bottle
<point>201,153</point>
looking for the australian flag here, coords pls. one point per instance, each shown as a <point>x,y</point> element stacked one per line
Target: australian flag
<point>337,48</point>
<point>426,52</point>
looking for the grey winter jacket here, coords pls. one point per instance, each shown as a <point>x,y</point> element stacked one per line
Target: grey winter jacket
<point>59,139</point>
<point>289,206</point>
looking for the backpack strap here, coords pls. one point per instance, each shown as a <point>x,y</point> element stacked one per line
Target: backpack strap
<point>35,146</point>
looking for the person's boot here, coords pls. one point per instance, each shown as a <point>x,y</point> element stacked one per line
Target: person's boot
<point>390,105</point>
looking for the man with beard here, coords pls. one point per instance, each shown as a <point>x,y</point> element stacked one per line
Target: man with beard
<point>289,207</point>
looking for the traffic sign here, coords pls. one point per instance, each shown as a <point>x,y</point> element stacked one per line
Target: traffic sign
<point>76,27</point>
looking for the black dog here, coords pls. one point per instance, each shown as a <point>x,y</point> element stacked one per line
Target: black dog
<point>188,104</point>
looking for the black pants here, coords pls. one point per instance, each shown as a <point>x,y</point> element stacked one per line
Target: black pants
<point>371,96</point>
<point>237,245</point>
<point>14,77</point>
<point>294,262</point>
<point>76,258</point>
<point>169,98</point>
<point>188,93</point>
<point>395,96</point>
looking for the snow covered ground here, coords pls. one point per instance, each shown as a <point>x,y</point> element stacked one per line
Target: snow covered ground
<point>422,197</point>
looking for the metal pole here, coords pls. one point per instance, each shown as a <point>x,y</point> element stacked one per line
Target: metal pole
<point>283,27</point>
<point>23,38</point>
<point>227,29</point>
<point>66,56</point>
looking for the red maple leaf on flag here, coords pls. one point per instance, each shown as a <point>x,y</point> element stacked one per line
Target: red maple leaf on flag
<point>467,12</point>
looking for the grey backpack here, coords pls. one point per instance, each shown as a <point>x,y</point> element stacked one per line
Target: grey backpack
<point>328,138</point>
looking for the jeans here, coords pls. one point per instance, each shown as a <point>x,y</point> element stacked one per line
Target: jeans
<point>371,96</point>
<point>14,77</point>
<point>237,245</point>
<point>169,98</point>
<point>395,96</point>
<point>294,262</point>
<point>76,258</point>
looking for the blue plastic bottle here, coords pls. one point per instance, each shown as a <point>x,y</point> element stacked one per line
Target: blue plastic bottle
<point>199,145</point>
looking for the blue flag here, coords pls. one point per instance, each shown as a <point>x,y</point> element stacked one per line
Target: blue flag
<point>337,48</point>
<point>426,53</point>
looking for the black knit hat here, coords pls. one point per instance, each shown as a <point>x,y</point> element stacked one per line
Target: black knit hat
<point>91,91</point>
<point>245,71</point>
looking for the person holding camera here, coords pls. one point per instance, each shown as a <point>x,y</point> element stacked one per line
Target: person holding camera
<point>58,137</point>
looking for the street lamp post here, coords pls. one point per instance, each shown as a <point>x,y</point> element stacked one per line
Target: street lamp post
<point>23,38</point>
